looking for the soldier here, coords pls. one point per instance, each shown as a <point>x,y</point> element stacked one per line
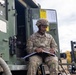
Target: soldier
<point>39,42</point>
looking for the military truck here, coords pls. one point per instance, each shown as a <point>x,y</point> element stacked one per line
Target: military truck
<point>17,23</point>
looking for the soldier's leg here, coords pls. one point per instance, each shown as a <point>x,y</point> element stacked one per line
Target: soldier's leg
<point>52,63</point>
<point>34,63</point>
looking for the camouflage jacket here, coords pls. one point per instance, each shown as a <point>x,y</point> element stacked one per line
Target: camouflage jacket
<point>44,41</point>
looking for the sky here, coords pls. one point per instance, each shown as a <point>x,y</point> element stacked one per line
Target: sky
<point>66,15</point>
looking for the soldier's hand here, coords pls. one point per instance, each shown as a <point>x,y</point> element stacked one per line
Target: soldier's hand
<point>39,50</point>
<point>52,50</point>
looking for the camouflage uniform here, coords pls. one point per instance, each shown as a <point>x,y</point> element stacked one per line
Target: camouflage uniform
<point>45,41</point>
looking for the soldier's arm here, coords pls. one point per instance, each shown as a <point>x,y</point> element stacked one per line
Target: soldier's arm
<point>29,46</point>
<point>53,45</point>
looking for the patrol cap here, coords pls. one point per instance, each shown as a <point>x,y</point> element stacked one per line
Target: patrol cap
<point>42,22</point>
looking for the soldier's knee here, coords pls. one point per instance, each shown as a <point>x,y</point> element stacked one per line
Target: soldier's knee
<point>34,63</point>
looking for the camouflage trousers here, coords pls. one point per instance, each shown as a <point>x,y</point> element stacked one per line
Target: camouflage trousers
<point>35,61</point>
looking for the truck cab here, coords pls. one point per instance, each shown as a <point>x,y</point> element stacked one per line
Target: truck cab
<point>17,23</point>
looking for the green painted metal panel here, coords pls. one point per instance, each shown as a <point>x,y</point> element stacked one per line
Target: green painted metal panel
<point>11,17</point>
<point>4,47</point>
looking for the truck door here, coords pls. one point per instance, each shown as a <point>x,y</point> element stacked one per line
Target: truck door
<point>51,16</point>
